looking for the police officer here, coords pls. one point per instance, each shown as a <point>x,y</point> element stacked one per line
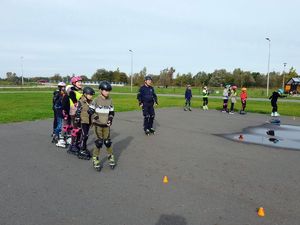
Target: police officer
<point>147,97</point>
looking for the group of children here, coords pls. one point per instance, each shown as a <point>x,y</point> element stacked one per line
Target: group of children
<point>229,93</point>
<point>75,112</point>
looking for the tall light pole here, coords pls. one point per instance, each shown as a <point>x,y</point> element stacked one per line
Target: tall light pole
<point>22,70</point>
<point>268,75</point>
<point>283,73</point>
<point>131,78</point>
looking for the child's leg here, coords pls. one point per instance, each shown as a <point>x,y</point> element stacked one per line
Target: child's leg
<point>84,135</point>
<point>231,107</point>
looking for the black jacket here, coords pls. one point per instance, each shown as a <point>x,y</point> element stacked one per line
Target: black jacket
<point>146,95</point>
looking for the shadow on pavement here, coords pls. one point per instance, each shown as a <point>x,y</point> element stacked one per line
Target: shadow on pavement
<point>171,220</point>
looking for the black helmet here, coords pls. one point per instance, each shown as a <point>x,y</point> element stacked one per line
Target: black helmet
<point>105,85</point>
<point>88,90</point>
<point>148,77</point>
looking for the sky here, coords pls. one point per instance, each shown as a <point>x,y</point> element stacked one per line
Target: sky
<point>80,36</point>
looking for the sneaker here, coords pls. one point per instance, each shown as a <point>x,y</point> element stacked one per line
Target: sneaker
<point>152,130</point>
<point>272,114</point>
<point>190,109</point>
<point>61,143</point>
<point>276,114</point>
<point>231,112</point>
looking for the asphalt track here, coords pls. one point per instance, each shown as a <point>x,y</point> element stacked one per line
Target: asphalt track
<point>212,180</point>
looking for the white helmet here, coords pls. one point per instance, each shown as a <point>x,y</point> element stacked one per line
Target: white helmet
<point>61,84</point>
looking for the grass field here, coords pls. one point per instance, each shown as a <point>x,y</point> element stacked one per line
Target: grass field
<point>252,92</point>
<point>16,107</point>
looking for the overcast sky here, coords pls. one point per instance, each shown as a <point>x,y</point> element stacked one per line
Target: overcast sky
<point>69,36</point>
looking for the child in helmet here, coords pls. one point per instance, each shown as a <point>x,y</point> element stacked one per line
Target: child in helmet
<point>225,98</point>
<point>188,96</point>
<point>74,93</point>
<point>243,96</point>
<point>205,98</point>
<point>274,97</point>
<point>232,98</point>
<point>57,107</point>
<point>147,98</point>
<point>102,113</point>
<point>82,117</point>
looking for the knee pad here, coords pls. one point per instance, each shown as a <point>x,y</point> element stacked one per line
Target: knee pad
<point>107,143</point>
<point>75,132</point>
<point>99,143</point>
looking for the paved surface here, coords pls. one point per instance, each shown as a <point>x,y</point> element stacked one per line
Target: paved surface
<point>212,180</point>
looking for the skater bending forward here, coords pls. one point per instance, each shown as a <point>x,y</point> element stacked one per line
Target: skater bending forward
<point>102,114</point>
<point>147,98</point>
<point>274,97</point>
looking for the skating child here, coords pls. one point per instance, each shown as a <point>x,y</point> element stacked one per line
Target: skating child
<point>74,93</point>
<point>274,97</point>
<point>205,94</point>
<point>82,117</point>
<point>243,96</point>
<point>102,114</point>
<point>57,107</point>
<point>147,97</point>
<point>225,98</point>
<point>232,98</point>
<point>188,97</point>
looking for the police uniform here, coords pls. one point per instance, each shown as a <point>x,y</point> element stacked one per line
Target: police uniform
<point>147,97</point>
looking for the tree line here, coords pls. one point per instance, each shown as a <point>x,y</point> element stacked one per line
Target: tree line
<point>167,77</point>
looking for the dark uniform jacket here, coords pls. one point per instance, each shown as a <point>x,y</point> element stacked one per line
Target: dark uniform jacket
<point>146,95</point>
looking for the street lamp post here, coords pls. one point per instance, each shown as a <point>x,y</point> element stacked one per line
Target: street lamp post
<point>131,78</point>
<point>22,70</point>
<point>268,75</point>
<point>283,73</point>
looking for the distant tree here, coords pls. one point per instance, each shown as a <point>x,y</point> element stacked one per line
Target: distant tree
<point>220,77</point>
<point>291,74</point>
<point>13,78</point>
<point>56,78</point>
<point>102,74</point>
<point>84,78</point>
<point>166,77</point>
<point>201,79</point>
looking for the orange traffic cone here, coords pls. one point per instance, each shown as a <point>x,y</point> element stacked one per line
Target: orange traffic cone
<point>165,180</point>
<point>261,212</point>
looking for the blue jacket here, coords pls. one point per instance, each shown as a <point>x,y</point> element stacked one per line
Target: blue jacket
<point>188,94</point>
<point>147,95</point>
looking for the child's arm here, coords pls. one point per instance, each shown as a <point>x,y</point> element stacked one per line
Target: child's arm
<point>111,115</point>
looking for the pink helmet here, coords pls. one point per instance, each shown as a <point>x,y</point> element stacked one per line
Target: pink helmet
<point>234,87</point>
<point>75,79</point>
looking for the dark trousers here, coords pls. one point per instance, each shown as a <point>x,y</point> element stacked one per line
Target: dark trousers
<point>187,102</point>
<point>54,120</point>
<point>149,114</point>
<point>205,101</point>
<point>85,128</point>
<point>225,102</point>
<point>274,105</point>
<point>231,107</point>
<point>244,102</point>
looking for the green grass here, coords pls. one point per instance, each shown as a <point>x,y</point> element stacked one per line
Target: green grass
<point>252,92</point>
<point>16,107</point>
